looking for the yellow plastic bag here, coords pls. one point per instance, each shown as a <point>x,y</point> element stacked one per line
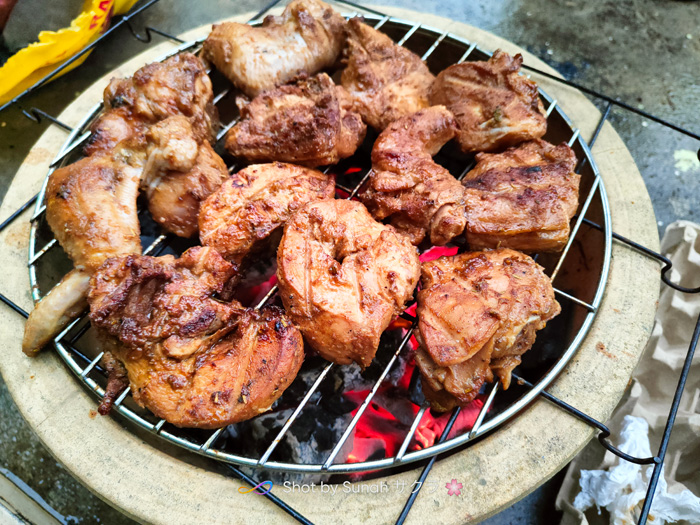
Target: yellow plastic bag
<point>35,61</point>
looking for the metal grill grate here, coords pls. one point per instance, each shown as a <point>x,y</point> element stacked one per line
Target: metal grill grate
<point>425,41</point>
<point>593,213</point>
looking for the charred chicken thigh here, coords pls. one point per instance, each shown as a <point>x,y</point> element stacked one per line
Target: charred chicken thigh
<point>255,202</point>
<point>306,38</point>
<point>384,80</point>
<point>406,186</point>
<point>177,86</point>
<point>523,198</point>
<point>495,107</point>
<point>311,123</point>
<point>343,277</point>
<point>179,175</point>
<point>191,359</point>
<point>478,312</point>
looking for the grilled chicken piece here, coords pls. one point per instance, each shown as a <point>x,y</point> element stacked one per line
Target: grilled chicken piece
<point>91,209</point>
<point>523,198</point>
<point>179,175</point>
<point>385,81</point>
<point>306,38</point>
<point>177,86</point>
<point>406,186</point>
<point>478,312</point>
<point>191,359</point>
<point>255,202</point>
<point>91,204</point>
<point>311,123</point>
<point>343,277</point>
<point>495,107</point>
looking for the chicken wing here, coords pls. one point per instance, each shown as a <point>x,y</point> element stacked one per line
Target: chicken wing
<point>255,202</point>
<point>179,175</point>
<point>343,277</point>
<point>306,38</point>
<point>406,186</point>
<point>91,208</point>
<point>191,359</point>
<point>177,86</point>
<point>523,198</point>
<point>91,204</point>
<point>311,123</point>
<point>494,106</point>
<point>478,312</point>
<point>384,80</point>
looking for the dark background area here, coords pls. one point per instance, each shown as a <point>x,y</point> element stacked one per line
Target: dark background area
<point>643,52</point>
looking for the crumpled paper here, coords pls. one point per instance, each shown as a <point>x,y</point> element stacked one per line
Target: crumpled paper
<point>618,486</point>
<point>621,489</point>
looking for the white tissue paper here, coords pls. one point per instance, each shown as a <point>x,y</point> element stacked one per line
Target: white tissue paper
<point>599,481</point>
<point>622,488</point>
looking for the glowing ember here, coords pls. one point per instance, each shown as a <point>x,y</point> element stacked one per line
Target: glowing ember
<point>384,425</point>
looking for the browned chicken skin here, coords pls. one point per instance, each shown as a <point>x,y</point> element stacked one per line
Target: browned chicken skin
<point>255,202</point>
<point>177,86</point>
<point>306,38</point>
<point>478,312</point>
<point>191,359</point>
<point>385,81</point>
<point>343,277</point>
<point>179,175</point>
<point>523,198</point>
<point>495,107</point>
<point>406,186</point>
<point>311,123</point>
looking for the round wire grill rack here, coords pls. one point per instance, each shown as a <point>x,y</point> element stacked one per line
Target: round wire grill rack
<point>579,276</point>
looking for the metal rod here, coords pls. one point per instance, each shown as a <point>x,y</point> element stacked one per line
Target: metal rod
<point>37,115</point>
<point>434,46</point>
<point>79,54</point>
<point>11,304</point>
<point>209,442</point>
<point>382,22</point>
<point>667,263</point>
<point>53,242</point>
<point>267,297</point>
<point>467,53</point>
<point>484,410</point>
<point>576,227</point>
<point>612,100</point>
<point>17,212</point>
<point>263,459</point>
<point>426,470</point>
<point>366,402</point>
<point>409,34</point>
<point>121,397</point>
<point>70,149</point>
<point>604,430</point>
<point>354,192</point>
<point>589,307</point>
<point>91,365</point>
<point>551,108</point>
<point>277,501</point>
<point>224,130</point>
<point>155,244</point>
<point>409,435</point>
<point>658,468</point>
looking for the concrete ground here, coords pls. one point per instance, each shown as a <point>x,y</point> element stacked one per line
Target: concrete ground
<point>641,52</point>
